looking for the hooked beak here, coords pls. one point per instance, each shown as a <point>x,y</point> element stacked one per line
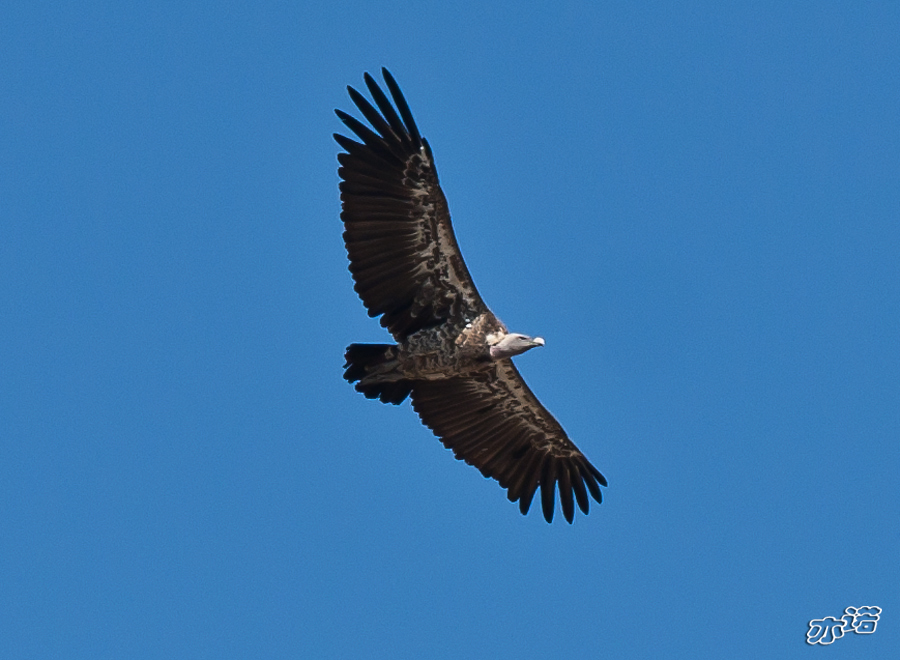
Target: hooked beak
<point>538,341</point>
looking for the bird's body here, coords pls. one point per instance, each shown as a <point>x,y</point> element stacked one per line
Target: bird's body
<point>452,354</point>
<point>445,350</point>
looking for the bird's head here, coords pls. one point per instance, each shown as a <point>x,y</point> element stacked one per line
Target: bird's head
<point>514,343</point>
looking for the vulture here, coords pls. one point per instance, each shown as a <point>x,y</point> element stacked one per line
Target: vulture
<point>452,356</point>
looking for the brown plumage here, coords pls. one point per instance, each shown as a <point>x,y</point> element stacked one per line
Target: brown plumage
<point>453,356</point>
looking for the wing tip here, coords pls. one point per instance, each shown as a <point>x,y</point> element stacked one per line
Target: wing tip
<point>549,476</point>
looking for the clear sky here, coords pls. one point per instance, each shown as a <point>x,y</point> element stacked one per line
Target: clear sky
<point>697,205</point>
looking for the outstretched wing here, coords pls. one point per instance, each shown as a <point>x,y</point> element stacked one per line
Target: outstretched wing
<point>494,422</point>
<point>403,254</point>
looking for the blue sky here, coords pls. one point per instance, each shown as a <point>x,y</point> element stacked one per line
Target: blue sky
<point>697,205</point>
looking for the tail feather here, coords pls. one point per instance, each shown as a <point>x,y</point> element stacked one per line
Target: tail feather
<point>362,360</point>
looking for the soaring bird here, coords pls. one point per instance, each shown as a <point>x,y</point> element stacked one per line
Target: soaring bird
<point>452,356</point>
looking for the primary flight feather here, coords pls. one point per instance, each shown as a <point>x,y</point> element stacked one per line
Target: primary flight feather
<point>453,357</point>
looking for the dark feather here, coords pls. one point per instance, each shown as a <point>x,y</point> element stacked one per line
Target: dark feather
<point>402,106</point>
<point>548,487</point>
<point>566,501</point>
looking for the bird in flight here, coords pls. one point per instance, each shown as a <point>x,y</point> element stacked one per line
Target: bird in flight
<point>452,356</point>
